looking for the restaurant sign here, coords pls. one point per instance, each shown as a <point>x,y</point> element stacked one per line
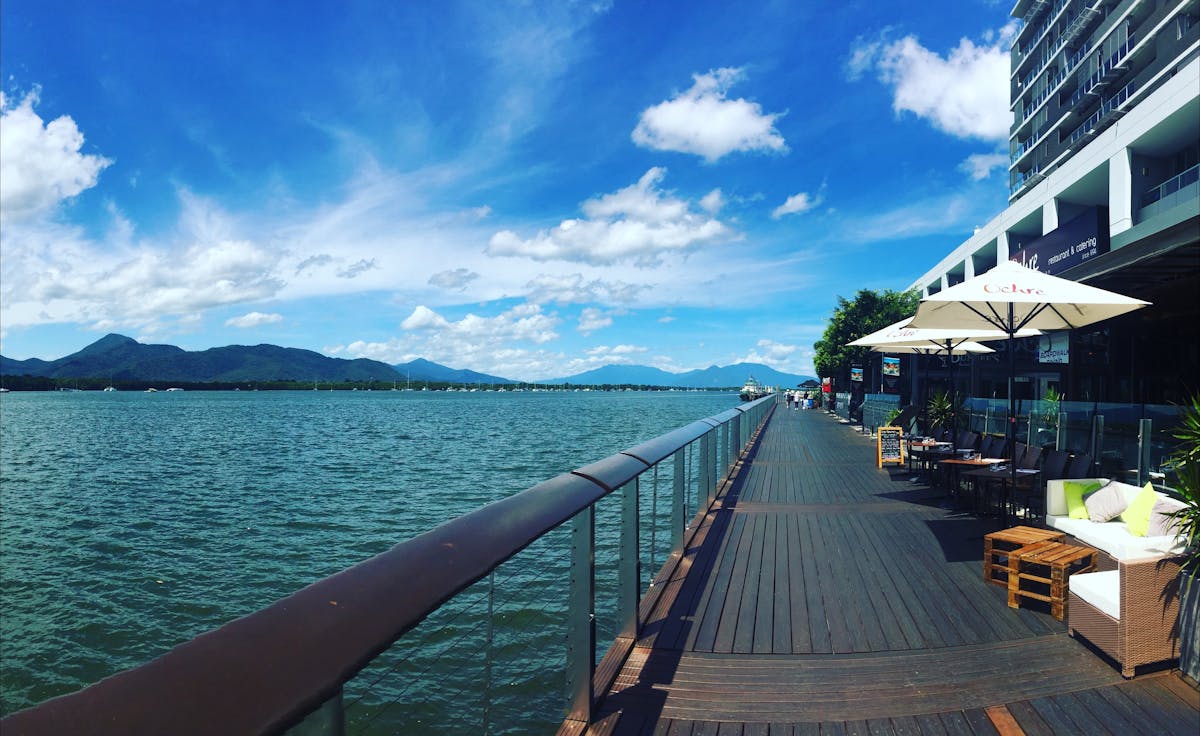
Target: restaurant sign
<point>1072,243</point>
<point>1054,347</point>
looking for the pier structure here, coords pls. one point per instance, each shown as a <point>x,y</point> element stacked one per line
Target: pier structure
<point>822,594</point>
<point>811,592</point>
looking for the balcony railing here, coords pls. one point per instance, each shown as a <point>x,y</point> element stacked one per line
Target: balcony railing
<point>1184,187</point>
<point>1105,110</point>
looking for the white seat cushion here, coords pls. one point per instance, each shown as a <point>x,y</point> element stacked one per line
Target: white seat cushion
<point>1113,537</point>
<point>1101,590</point>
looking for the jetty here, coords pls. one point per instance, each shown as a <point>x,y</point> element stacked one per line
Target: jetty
<point>811,592</point>
<point>822,594</point>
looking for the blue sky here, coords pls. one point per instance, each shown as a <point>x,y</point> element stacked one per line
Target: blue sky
<point>525,189</point>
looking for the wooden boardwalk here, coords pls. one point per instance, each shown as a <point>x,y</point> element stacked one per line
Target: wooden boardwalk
<point>822,595</point>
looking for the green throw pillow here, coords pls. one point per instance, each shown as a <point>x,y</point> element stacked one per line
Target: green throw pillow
<point>1137,515</point>
<point>1074,491</point>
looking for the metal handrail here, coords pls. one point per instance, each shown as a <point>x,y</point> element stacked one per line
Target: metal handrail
<point>266,672</point>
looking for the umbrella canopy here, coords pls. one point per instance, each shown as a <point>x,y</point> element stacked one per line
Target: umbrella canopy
<point>904,333</point>
<point>963,348</point>
<point>1011,297</point>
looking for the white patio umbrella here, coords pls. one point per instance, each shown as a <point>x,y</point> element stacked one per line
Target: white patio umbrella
<point>940,341</point>
<point>1010,298</point>
<point>965,347</point>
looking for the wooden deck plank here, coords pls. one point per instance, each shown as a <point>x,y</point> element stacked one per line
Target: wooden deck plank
<point>797,602</point>
<point>712,600</point>
<point>824,595</point>
<point>781,619</point>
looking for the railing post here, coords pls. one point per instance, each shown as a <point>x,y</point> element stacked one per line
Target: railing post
<point>1097,437</point>
<point>629,568</point>
<point>489,647</point>
<point>706,466</point>
<point>581,626</point>
<point>724,445</point>
<point>1060,438</point>
<point>328,720</point>
<point>678,513</point>
<point>1144,442</point>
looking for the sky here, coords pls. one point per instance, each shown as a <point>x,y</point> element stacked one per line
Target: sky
<point>525,189</point>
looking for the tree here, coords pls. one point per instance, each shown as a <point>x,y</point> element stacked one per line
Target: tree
<point>870,311</point>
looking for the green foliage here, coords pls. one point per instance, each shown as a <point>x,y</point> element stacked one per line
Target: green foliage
<point>1049,408</point>
<point>891,416</point>
<point>868,312</point>
<point>944,412</point>
<point>1186,460</point>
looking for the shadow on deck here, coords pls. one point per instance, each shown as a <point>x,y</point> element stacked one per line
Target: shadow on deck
<point>823,595</point>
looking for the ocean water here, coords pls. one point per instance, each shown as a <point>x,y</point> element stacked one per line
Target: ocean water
<point>132,522</point>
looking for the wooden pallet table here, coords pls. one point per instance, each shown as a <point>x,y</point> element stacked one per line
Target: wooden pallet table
<point>1032,563</point>
<point>998,545</point>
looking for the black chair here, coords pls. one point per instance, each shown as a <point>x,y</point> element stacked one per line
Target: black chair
<point>1079,467</point>
<point>1031,458</point>
<point>991,446</point>
<point>1031,489</point>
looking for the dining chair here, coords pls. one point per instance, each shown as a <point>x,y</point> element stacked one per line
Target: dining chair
<point>1080,466</point>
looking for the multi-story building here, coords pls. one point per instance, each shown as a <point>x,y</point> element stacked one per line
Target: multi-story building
<point>1104,188</point>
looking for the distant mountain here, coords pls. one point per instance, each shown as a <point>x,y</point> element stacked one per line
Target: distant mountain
<point>730,376</point>
<point>425,370</point>
<point>121,358</point>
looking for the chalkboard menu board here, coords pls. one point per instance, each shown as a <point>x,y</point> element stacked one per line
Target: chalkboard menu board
<point>890,446</point>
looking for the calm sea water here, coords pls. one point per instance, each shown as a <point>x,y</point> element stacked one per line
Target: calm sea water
<point>132,522</point>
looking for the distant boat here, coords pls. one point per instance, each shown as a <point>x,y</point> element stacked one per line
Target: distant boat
<point>753,390</point>
<point>4,390</point>
<point>174,389</point>
<point>109,388</point>
<point>151,390</point>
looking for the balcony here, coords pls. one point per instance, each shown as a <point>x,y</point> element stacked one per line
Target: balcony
<point>1107,113</point>
<point>1112,68</point>
<point>1172,192</point>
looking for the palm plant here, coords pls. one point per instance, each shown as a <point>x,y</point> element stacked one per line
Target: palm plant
<point>945,412</point>
<point>1186,462</point>
<point>1186,459</point>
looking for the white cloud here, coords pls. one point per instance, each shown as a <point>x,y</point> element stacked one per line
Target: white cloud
<point>253,319</point>
<point>573,289</point>
<point>797,203</point>
<point>353,270</point>
<point>713,201</point>
<point>639,223</point>
<point>40,165</point>
<point>457,279</point>
<point>592,319</point>
<point>489,344</point>
<point>964,94</point>
<point>704,122</point>
<point>944,214</point>
<point>53,273</point>
<point>979,165</point>
<point>780,356</point>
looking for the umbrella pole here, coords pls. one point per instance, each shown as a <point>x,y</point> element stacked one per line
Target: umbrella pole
<point>1012,412</point>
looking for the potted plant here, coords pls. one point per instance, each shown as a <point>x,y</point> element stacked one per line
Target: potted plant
<point>944,412</point>
<point>1047,418</point>
<point>1186,465</point>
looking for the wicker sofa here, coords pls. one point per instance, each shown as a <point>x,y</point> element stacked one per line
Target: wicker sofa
<point>1129,608</point>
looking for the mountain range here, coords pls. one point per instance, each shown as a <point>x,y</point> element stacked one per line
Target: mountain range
<point>121,358</point>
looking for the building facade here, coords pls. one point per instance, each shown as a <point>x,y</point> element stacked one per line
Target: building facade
<point>1104,188</point>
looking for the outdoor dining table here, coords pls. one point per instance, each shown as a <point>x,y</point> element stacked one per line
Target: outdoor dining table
<point>957,464</point>
<point>923,448</point>
<point>1003,476</point>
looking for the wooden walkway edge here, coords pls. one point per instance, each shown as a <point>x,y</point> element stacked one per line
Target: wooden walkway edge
<point>823,595</point>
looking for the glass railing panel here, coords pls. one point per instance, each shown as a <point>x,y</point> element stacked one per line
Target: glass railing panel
<point>1164,420</point>
<point>1118,453</point>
